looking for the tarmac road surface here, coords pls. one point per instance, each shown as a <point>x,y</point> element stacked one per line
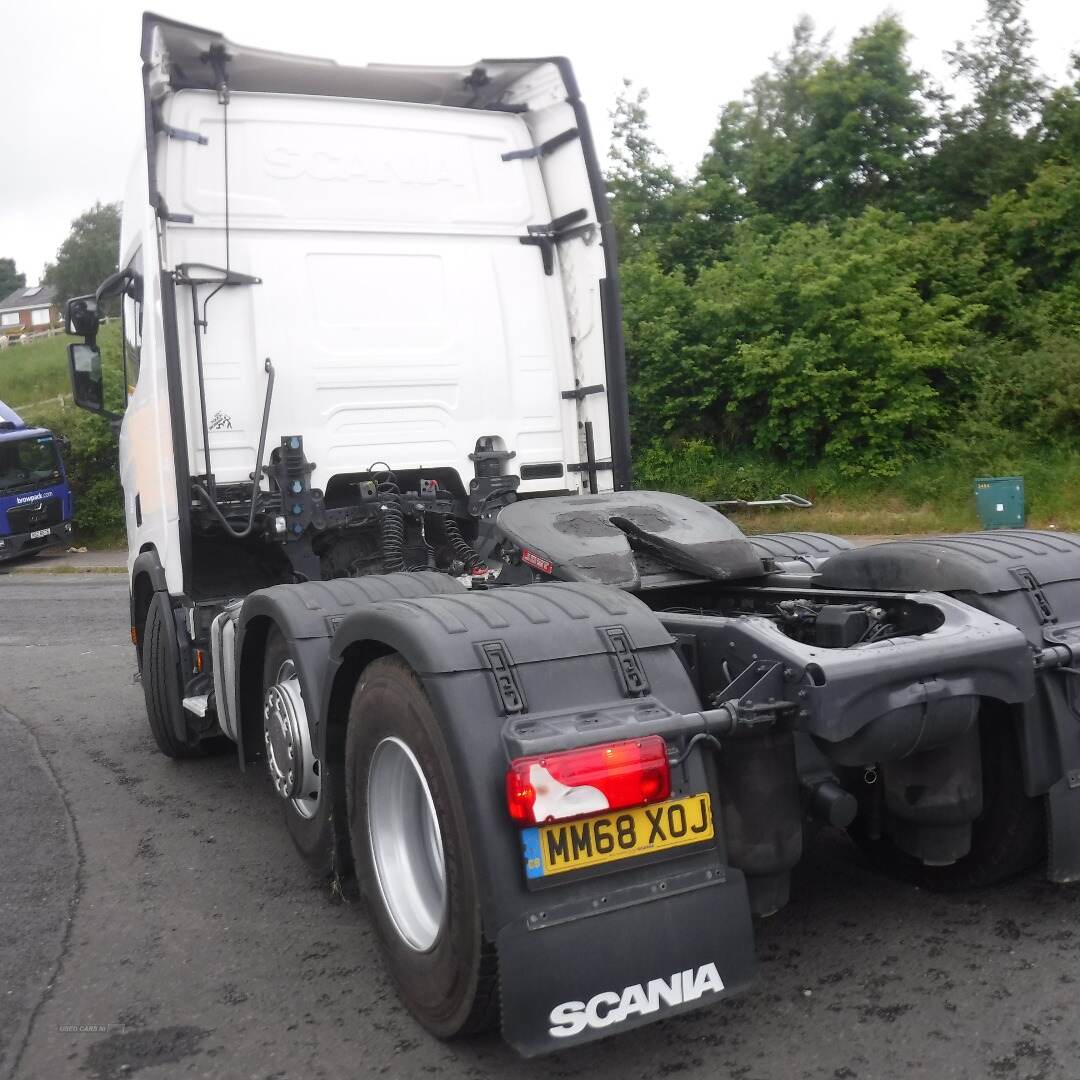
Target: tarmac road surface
<point>155,922</point>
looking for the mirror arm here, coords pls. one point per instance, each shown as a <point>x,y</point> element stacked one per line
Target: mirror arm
<point>114,284</point>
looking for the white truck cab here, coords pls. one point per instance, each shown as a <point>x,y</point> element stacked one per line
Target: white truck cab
<point>408,269</point>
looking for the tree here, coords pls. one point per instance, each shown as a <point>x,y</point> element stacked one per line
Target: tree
<point>868,128</point>
<point>863,276</point>
<point>699,220</point>
<point>1000,67</point>
<point>1061,119</point>
<point>88,255</point>
<point>820,342</point>
<point>760,145</point>
<point>639,180</point>
<point>10,279</point>
<point>992,144</point>
<point>821,136</point>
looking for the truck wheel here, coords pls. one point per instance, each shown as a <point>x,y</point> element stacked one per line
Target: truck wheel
<point>1007,838</point>
<point>289,750</point>
<point>161,683</point>
<point>409,835</point>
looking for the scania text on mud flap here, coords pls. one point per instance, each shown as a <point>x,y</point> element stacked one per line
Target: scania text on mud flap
<point>612,1007</point>
<point>567,737</point>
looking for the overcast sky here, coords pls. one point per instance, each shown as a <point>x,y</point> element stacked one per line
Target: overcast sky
<point>71,87</point>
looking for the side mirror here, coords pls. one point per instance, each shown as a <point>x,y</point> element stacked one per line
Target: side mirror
<point>87,387</point>
<point>81,316</point>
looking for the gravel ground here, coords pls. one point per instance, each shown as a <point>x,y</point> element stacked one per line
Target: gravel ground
<point>156,922</point>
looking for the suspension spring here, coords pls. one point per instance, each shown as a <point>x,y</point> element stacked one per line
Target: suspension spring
<point>392,538</point>
<point>460,545</point>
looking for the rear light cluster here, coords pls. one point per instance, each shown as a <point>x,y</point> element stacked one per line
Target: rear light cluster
<point>574,783</point>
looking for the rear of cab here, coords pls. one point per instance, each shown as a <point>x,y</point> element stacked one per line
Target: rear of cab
<point>430,265</point>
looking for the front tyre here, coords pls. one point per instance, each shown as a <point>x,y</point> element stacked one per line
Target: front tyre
<point>161,681</point>
<point>415,867</point>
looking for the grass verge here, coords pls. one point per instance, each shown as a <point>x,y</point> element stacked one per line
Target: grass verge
<point>36,374</point>
<point>931,496</point>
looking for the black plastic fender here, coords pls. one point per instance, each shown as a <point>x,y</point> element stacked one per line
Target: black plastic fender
<point>594,664</point>
<point>1030,579</point>
<point>148,563</point>
<point>147,566</point>
<point>174,682</point>
<point>308,615</point>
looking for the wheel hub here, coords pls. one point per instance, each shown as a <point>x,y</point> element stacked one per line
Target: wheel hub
<point>293,767</point>
<point>406,844</point>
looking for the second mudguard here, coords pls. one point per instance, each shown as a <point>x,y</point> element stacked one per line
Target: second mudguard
<point>1027,578</point>
<point>308,615</point>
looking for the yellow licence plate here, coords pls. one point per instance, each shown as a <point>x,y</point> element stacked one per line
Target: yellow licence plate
<point>575,845</point>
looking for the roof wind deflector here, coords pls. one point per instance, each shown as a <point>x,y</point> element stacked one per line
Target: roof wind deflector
<point>181,57</point>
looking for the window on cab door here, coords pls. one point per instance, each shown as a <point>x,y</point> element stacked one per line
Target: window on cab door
<point>131,316</point>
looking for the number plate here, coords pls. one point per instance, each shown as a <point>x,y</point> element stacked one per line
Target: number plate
<point>575,845</point>
<point>37,534</point>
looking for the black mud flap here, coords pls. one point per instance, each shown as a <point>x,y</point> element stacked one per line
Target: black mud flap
<point>174,679</point>
<point>1063,856</point>
<point>586,977</point>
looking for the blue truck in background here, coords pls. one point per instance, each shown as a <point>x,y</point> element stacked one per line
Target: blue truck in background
<point>35,499</point>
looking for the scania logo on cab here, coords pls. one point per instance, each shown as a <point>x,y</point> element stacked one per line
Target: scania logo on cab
<point>284,163</point>
<point>613,1007</point>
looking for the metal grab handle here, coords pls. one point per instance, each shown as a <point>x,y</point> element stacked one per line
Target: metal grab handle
<point>785,499</point>
<point>211,502</point>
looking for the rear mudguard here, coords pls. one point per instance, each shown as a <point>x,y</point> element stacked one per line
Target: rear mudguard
<point>509,671</point>
<point>1032,581</point>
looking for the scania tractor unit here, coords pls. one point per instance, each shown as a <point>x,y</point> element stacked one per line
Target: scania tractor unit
<point>568,738</point>
<point>35,499</point>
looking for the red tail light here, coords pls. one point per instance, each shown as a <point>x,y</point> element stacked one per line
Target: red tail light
<point>575,783</point>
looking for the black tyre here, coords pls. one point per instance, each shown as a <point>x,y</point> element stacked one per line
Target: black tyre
<point>309,820</point>
<point>161,682</point>
<point>1007,838</point>
<point>414,863</point>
